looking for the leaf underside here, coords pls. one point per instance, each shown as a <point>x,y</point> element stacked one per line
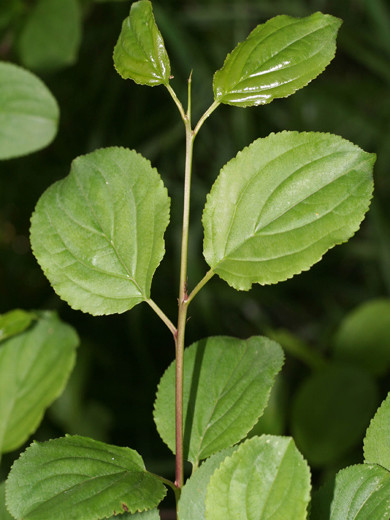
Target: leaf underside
<point>281,203</point>
<point>98,234</point>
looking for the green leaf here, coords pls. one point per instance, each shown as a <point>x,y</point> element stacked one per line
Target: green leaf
<point>278,57</point>
<point>363,338</point>
<point>140,53</point>
<point>98,234</point>
<point>277,207</point>
<point>265,478</point>
<point>4,515</point>
<point>76,478</point>
<point>51,36</point>
<point>227,383</point>
<point>192,504</point>
<point>28,112</point>
<point>34,368</point>
<point>377,439</point>
<point>14,322</point>
<point>331,411</point>
<point>361,493</point>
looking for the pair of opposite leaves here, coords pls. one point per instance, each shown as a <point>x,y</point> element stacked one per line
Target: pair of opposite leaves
<point>273,211</point>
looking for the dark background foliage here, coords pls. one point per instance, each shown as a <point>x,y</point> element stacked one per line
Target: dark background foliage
<point>121,358</point>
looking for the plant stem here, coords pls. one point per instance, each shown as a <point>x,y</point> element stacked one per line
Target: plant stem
<point>208,113</point>
<point>163,316</point>
<point>200,285</point>
<point>184,300</point>
<point>177,102</point>
<point>182,317</point>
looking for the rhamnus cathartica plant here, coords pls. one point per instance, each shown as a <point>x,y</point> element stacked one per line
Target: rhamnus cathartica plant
<point>273,211</point>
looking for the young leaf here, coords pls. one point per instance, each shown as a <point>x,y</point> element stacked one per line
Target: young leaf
<point>377,439</point>
<point>363,338</point>
<point>34,368</point>
<point>331,411</point>
<point>76,478</point>
<point>265,478</point>
<point>28,112</point>
<point>14,322</point>
<point>51,36</point>
<point>278,57</point>
<point>277,207</point>
<point>192,504</point>
<point>227,383</point>
<point>98,234</point>
<point>361,493</point>
<point>4,515</point>
<point>140,54</point>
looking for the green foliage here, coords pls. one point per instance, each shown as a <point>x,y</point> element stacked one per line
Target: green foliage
<point>278,58</point>
<point>376,441</point>
<point>34,368</point>
<point>282,203</point>
<point>76,478</point>
<point>14,322</point>
<point>28,112</point>
<point>265,478</point>
<point>331,411</point>
<point>227,383</point>
<point>361,493</point>
<point>4,515</point>
<point>192,505</point>
<point>98,233</point>
<point>140,54</point>
<point>51,36</point>
<point>273,212</point>
<point>363,337</point>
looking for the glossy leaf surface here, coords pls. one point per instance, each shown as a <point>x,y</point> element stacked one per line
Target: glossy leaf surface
<point>98,233</point>
<point>278,58</point>
<point>227,383</point>
<point>192,504</point>
<point>361,493</point>
<point>377,439</point>
<point>281,203</point>
<point>266,478</point>
<point>140,54</point>
<point>34,368</point>
<point>331,411</point>
<point>51,37</point>
<point>363,337</point>
<point>76,478</point>
<point>14,322</point>
<point>28,112</point>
